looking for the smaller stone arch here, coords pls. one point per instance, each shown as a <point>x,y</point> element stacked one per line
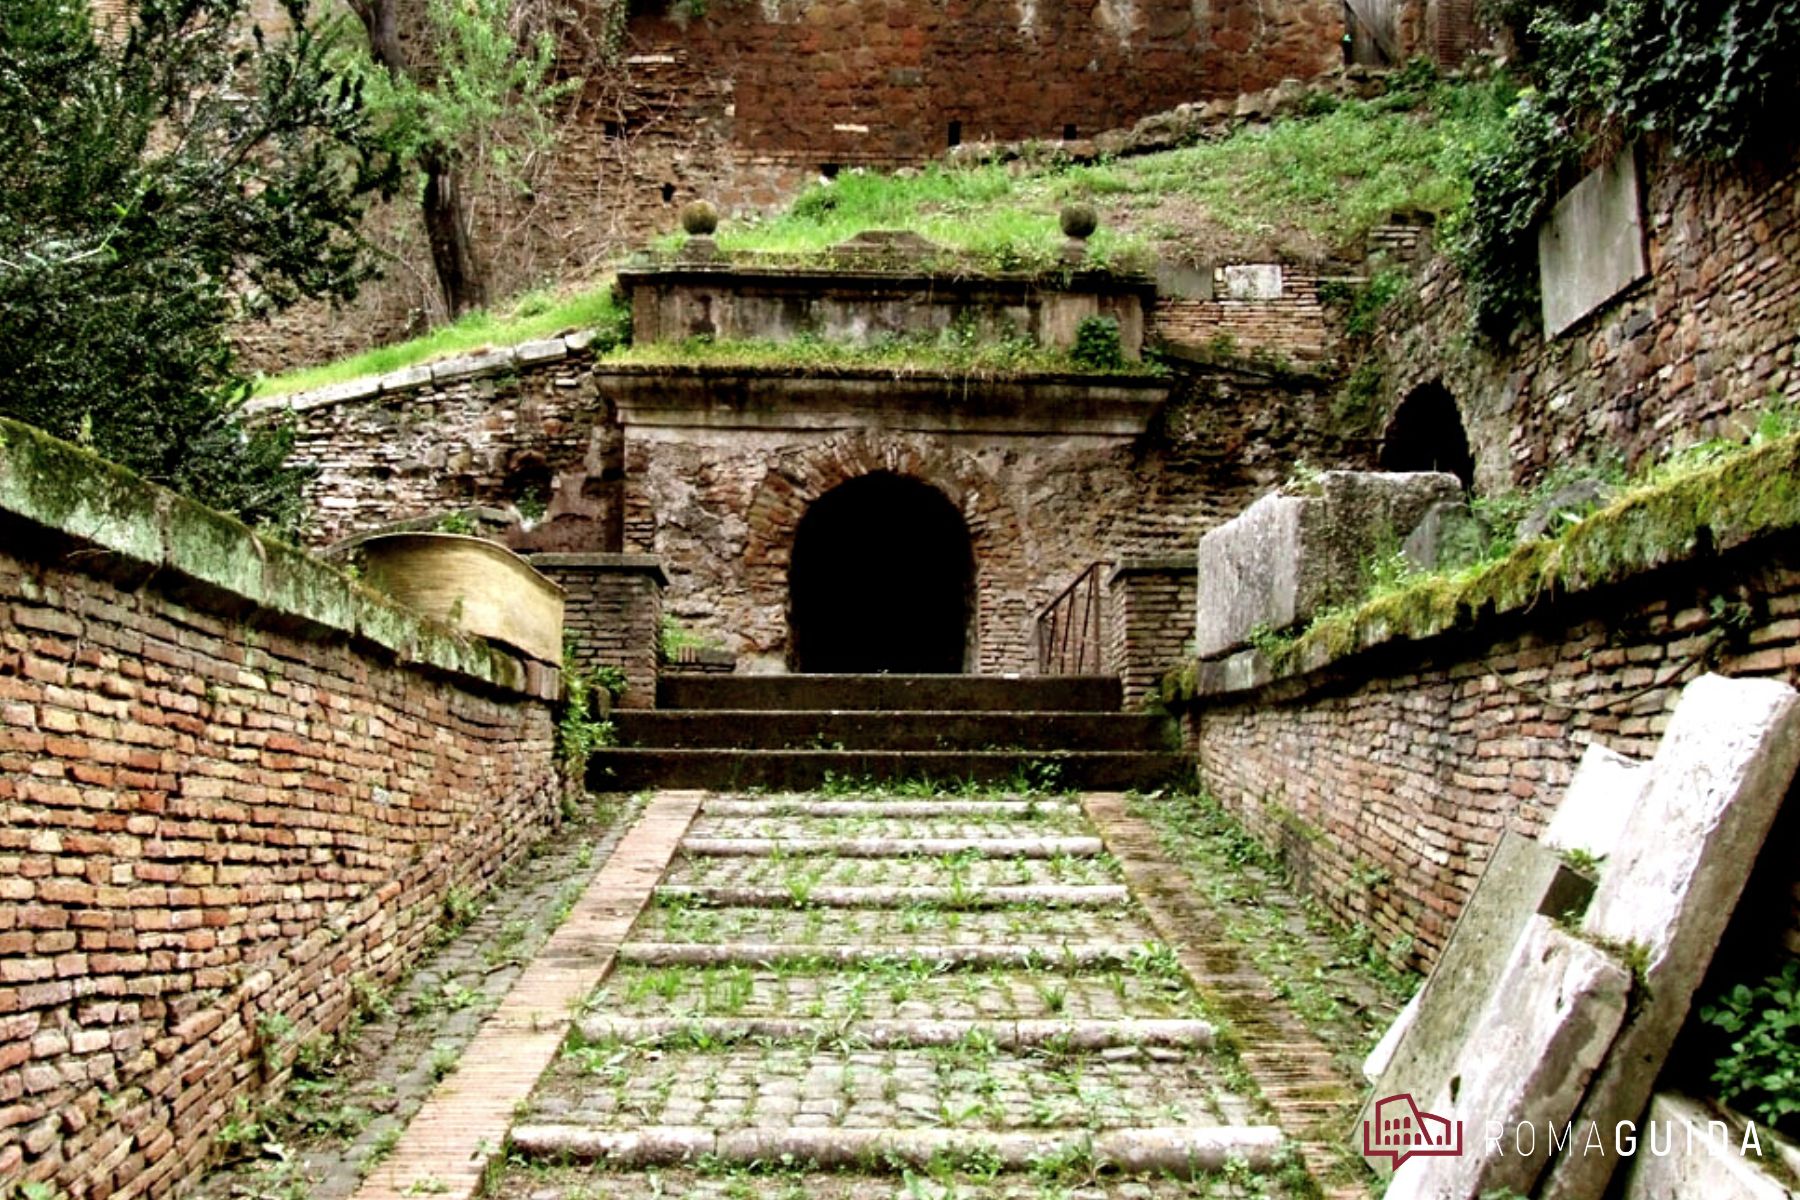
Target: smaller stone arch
<point>1427,434</point>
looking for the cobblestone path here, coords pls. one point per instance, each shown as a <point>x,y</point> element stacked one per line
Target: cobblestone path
<point>874,997</point>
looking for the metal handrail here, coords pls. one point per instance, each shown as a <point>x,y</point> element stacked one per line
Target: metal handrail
<point>1071,631</point>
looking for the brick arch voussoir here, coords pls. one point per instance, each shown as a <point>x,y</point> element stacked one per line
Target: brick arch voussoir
<point>795,480</point>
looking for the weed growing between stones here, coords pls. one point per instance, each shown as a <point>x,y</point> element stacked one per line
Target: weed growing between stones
<point>347,1097</point>
<point>1338,981</point>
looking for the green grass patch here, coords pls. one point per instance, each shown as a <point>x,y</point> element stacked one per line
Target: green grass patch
<point>538,314</point>
<point>952,353</point>
<point>1330,177</point>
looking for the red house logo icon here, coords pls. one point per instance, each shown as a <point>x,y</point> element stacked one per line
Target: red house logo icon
<point>1401,1131</point>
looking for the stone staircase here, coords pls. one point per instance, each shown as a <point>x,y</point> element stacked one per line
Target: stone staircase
<point>785,732</point>
<point>852,999</point>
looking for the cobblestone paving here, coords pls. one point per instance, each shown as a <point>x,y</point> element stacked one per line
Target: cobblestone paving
<point>854,1065</point>
<point>971,870</point>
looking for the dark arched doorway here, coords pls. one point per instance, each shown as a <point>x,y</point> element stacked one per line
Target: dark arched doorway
<point>882,578</point>
<point>1427,434</point>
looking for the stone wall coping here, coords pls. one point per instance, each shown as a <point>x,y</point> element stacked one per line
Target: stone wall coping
<point>218,564</point>
<point>859,275</point>
<point>622,564</point>
<point>1168,564</point>
<point>498,361</point>
<point>1746,503</point>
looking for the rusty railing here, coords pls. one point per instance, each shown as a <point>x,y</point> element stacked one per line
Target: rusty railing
<point>1071,631</point>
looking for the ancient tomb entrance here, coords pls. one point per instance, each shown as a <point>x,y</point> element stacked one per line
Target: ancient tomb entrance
<point>882,579</point>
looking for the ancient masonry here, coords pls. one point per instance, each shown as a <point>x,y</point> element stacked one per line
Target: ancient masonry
<point>745,104</point>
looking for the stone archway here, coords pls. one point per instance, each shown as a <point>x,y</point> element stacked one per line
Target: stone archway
<point>1001,620</point>
<point>1427,434</point>
<point>881,579</point>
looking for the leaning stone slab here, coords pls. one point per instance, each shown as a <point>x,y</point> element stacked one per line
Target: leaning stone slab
<point>1536,1042</point>
<point>1686,1150</point>
<point>1287,557</point>
<point>1716,783</point>
<point>1524,881</point>
<point>1599,804</point>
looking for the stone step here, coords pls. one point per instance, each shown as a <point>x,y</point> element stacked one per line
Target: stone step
<point>761,729</point>
<point>1082,956</point>
<point>787,829</point>
<point>816,806</point>
<point>877,847</point>
<point>1043,896</point>
<point>965,873</point>
<point>853,992</point>
<point>1178,1151</point>
<point>893,929</point>
<point>629,769</point>
<point>1066,1037</point>
<point>892,693</point>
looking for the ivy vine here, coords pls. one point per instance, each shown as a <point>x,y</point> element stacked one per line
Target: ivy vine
<point>1713,78</point>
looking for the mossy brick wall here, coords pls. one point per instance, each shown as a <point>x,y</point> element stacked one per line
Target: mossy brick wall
<point>1386,783</point>
<point>1695,350</point>
<point>223,805</point>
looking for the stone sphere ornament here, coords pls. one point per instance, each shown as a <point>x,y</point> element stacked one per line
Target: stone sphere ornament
<point>1079,221</point>
<point>699,217</point>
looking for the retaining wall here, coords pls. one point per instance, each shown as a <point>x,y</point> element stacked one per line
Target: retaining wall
<point>236,785</point>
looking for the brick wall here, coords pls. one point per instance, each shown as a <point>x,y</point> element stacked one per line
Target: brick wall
<point>1292,326</point>
<point>720,507</point>
<point>613,615</point>
<point>1693,351</point>
<point>1387,780</point>
<point>1152,609</point>
<point>748,103</point>
<point>234,783</point>
<point>520,424</point>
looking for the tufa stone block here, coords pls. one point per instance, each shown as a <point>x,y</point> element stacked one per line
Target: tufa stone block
<point>1287,556</point>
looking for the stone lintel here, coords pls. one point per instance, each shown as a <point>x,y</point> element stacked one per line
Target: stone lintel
<point>1177,566</point>
<point>928,402</point>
